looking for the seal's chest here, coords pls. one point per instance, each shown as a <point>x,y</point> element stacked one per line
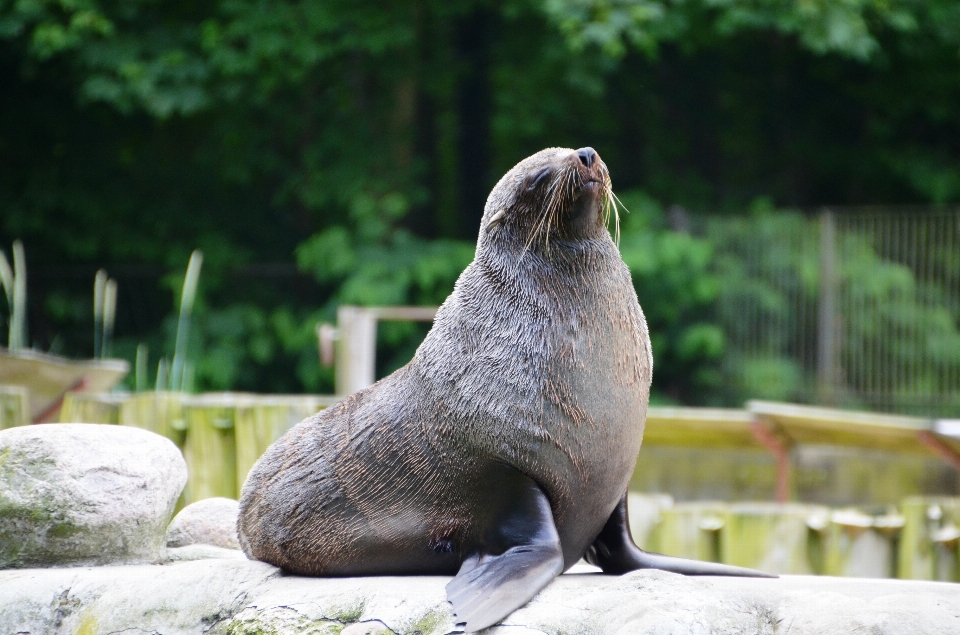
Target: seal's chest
<point>596,389</point>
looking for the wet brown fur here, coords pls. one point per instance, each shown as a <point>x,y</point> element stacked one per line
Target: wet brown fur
<point>539,359</point>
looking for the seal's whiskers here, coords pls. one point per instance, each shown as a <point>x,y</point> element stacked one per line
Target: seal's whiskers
<point>612,203</point>
<point>551,207</point>
<point>553,210</point>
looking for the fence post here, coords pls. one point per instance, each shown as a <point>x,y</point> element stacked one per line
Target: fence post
<point>356,349</point>
<point>357,341</point>
<point>827,375</point>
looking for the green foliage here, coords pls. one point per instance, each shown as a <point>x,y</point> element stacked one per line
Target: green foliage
<point>897,338</point>
<point>237,347</point>
<point>376,262</point>
<point>339,134</point>
<point>402,270</point>
<point>848,27</point>
<point>390,267</point>
<point>773,377</point>
<point>677,290</point>
<point>903,324</point>
<point>769,265</point>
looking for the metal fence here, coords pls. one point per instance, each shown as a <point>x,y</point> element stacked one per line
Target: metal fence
<point>848,307</point>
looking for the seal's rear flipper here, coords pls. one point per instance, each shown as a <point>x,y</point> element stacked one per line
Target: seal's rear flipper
<point>517,551</point>
<point>615,553</point>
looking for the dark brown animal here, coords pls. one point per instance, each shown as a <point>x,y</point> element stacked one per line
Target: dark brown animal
<point>501,453</point>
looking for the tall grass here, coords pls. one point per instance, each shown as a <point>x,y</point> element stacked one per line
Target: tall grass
<point>140,368</point>
<point>14,280</point>
<point>187,298</point>
<point>104,313</point>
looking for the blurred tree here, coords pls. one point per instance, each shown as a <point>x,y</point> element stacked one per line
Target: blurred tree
<point>363,138</point>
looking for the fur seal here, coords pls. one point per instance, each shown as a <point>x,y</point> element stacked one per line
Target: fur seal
<point>501,453</point>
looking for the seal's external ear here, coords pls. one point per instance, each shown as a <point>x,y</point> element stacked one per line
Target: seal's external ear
<point>496,219</point>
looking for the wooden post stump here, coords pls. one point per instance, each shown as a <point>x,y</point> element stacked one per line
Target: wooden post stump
<point>261,421</point>
<point>210,448</point>
<point>646,513</point>
<point>88,407</point>
<point>159,412</point>
<point>772,537</point>
<point>14,407</point>
<point>859,545</point>
<point>928,548</point>
<point>690,530</point>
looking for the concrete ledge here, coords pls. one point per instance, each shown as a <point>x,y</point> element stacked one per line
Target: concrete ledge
<point>239,597</point>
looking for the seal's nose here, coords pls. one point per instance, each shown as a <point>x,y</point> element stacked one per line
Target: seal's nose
<point>588,156</point>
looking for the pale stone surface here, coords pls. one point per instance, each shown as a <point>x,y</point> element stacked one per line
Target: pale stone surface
<point>201,552</point>
<point>239,597</point>
<point>79,494</point>
<point>374,627</point>
<point>211,521</point>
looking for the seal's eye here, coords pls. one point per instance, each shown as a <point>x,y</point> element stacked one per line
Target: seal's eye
<point>534,180</point>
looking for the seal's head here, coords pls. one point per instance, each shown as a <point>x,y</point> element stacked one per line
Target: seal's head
<point>554,196</point>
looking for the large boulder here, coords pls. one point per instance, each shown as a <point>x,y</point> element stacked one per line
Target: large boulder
<point>211,521</point>
<point>85,494</point>
<point>243,597</point>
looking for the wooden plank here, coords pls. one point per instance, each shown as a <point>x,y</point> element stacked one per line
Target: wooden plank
<point>404,313</point>
<point>771,537</point>
<point>80,407</point>
<point>48,377</point>
<point>699,427</point>
<point>210,449</point>
<point>829,426</point>
<point>262,420</point>
<point>157,411</point>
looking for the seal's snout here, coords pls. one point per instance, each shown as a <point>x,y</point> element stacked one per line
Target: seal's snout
<point>588,156</point>
<point>586,162</point>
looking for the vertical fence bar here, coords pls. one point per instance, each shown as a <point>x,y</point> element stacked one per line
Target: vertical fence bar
<point>356,349</point>
<point>950,266</point>
<point>826,342</point>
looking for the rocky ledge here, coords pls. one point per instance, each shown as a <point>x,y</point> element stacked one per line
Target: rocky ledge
<point>234,596</point>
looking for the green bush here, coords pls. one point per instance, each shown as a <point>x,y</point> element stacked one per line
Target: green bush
<point>677,290</point>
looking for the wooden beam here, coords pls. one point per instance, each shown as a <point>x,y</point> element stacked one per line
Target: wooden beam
<point>78,385</point>
<point>404,313</point>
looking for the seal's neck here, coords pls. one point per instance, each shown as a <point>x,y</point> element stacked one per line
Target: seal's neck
<point>557,257</point>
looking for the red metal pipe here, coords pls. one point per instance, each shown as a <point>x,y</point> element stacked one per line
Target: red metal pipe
<point>938,447</point>
<point>781,453</point>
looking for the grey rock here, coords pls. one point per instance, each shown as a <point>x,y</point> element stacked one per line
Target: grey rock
<point>201,552</point>
<point>374,627</point>
<point>234,596</point>
<point>85,494</point>
<point>211,521</point>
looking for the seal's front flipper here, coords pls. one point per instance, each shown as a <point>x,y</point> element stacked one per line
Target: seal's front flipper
<point>489,588</point>
<point>615,553</point>
<point>516,552</point>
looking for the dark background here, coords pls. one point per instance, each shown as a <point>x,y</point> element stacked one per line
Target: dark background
<point>334,152</point>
